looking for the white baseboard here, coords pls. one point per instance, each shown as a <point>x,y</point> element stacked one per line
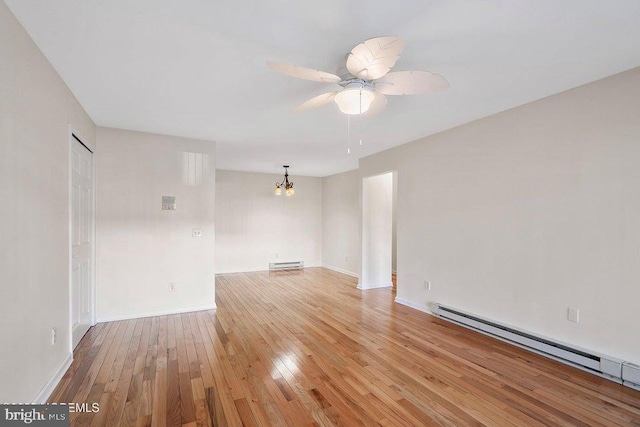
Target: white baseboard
<point>51,385</point>
<point>107,318</point>
<point>419,307</point>
<point>221,273</point>
<point>306,265</point>
<point>340,270</point>
<point>381,285</point>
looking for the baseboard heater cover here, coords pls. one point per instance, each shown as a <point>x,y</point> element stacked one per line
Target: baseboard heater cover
<point>604,366</point>
<point>289,265</point>
<point>631,375</point>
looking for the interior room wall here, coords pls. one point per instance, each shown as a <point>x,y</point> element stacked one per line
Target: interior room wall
<point>377,231</point>
<point>36,109</point>
<point>255,227</point>
<point>341,222</point>
<point>141,249</point>
<point>520,215</point>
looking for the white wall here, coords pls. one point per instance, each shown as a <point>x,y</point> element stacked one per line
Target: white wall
<point>141,248</point>
<point>341,222</point>
<point>36,109</point>
<point>253,224</point>
<point>517,216</point>
<point>377,231</point>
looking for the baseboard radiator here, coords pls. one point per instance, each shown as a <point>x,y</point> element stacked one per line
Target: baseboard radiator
<point>290,265</point>
<point>608,367</point>
<point>631,375</point>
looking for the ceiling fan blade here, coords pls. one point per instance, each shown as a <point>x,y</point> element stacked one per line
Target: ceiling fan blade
<point>375,57</point>
<point>411,83</point>
<point>316,102</point>
<point>303,73</point>
<point>379,103</point>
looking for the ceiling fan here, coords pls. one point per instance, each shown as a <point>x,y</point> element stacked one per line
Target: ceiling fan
<point>365,78</point>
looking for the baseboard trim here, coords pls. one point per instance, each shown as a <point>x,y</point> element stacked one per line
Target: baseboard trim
<point>340,270</point>
<point>419,307</point>
<point>311,265</point>
<point>156,313</point>
<point>381,285</point>
<point>50,386</point>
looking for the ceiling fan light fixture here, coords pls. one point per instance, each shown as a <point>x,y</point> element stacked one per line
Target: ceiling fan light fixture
<point>354,99</point>
<point>365,78</point>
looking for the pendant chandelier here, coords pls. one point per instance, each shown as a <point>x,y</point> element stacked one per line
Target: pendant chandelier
<point>285,184</point>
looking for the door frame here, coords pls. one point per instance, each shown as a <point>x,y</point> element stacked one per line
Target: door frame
<point>75,136</point>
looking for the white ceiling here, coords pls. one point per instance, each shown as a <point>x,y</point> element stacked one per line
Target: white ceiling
<point>197,68</point>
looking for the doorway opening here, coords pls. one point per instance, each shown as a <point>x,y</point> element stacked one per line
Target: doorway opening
<point>378,231</point>
<point>81,240</point>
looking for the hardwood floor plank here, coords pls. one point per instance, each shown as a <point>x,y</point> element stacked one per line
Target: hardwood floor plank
<point>119,397</point>
<point>146,399</point>
<point>245,412</point>
<point>132,405</point>
<point>221,384</point>
<point>174,398</point>
<point>112,351</point>
<point>187,409</point>
<point>199,399</point>
<point>159,409</point>
<point>307,348</point>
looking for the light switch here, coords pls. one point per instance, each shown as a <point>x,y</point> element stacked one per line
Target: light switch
<point>573,314</point>
<point>196,232</point>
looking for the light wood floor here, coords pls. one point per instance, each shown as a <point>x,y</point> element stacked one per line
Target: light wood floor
<point>308,348</point>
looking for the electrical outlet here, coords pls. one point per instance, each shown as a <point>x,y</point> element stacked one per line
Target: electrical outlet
<point>427,285</point>
<point>276,254</point>
<point>172,287</point>
<point>54,335</point>
<point>196,232</point>
<point>573,314</point>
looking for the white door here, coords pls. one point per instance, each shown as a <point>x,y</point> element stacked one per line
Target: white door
<point>81,240</point>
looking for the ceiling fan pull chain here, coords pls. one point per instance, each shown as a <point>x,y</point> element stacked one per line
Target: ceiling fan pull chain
<point>360,121</point>
<point>348,134</point>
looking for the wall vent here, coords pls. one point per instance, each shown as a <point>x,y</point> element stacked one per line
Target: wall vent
<point>290,265</point>
<point>604,366</point>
